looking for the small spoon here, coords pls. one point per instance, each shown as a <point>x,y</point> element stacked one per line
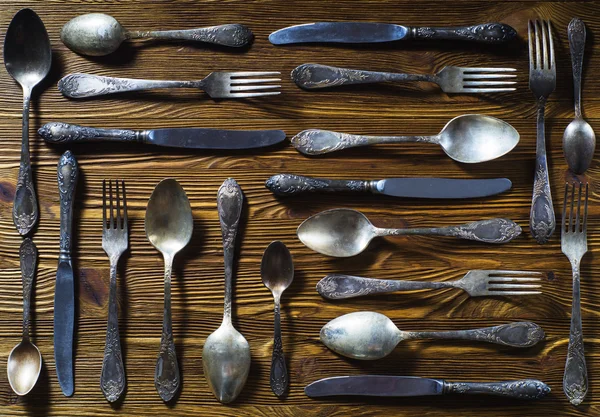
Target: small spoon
<point>579,139</point>
<point>277,272</point>
<point>469,138</point>
<point>25,360</point>
<point>226,354</point>
<point>367,335</point>
<point>98,34</point>
<point>27,57</point>
<point>346,232</point>
<point>169,225</point>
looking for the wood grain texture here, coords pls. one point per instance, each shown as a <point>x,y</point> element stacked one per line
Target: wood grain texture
<point>198,274</point>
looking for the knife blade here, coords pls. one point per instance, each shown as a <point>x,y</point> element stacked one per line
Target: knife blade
<point>443,188</point>
<point>369,32</point>
<point>191,138</point>
<point>64,293</point>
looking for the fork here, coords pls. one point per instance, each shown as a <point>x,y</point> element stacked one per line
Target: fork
<point>450,79</point>
<point>542,82</point>
<point>476,283</point>
<point>241,84</point>
<point>114,243</point>
<point>574,246</point>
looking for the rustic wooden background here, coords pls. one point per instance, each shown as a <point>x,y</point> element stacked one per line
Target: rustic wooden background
<point>198,281</point>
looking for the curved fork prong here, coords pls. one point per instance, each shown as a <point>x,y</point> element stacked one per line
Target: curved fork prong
<point>514,292</point>
<point>118,225</point>
<point>578,213</point>
<point>585,209</point>
<point>571,224</point>
<point>513,279</point>
<point>552,62</point>
<point>545,51</point>
<point>538,51</point>
<point>124,205</point>
<point>110,195</point>
<point>531,34</point>
<point>516,273</point>
<point>103,204</point>
<point>564,216</point>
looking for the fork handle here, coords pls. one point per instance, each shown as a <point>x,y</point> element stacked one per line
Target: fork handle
<point>58,132</point>
<point>484,33</point>
<point>232,34</point>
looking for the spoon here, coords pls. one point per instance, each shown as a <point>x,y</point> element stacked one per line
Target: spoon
<point>98,34</point>
<point>277,271</point>
<point>25,360</point>
<point>27,57</point>
<point>579,140</point>
<point>346,232</point>
<point>169,224</point>
<point>367,335</point>
<point>226,354</point>
<point>470,138</point>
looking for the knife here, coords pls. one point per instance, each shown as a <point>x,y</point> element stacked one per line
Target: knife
<point>411,386</point>
<point>64,295</point>
<point>289,184</point>
<point>193,138</point>
<point>368,32</point>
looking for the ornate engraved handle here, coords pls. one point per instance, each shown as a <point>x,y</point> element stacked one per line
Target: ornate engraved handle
<point>279,376</point>
<point>289,184</point>
<point>485,33</point>
<point>57,132</point>
<point>526,389</point>
<point>234,35</point>
<point>28,255</point>
<point>576,32</point>
<point>68,172</point>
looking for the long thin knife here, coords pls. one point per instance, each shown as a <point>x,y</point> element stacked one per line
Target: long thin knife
<point>64,294</point>
<point>192,138</point>
<point>368,32</point>
<point>289,184</point>
<point>411,386</point>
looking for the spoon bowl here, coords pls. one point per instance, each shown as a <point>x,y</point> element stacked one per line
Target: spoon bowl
<point>94,34</point>
<point>579,144</point>
<point>24,366</point>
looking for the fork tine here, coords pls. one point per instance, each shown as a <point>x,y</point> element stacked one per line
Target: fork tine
<point>118,225</point>
<point>585,209</point>
<point>578,213</point>
<point>545,50</point>
<point>564,216</point>
<point>253,87</point>
<point>237,81</point>
<point>104,204</point>
<point>253,73</point>
<point>487,69</point>
<point>110,194</point>
<point>514,292</point>
<point>512,286</point>
<point>530,36</point>
<point>124,205</point>
<point>470,76</point>
<point>272,93</point>
<point>552,63</point>
<point>486,90</point>
<point>516,273</point>
<point>571,228</point>
<point>487,83</point>
<point>538,52</point>
<point>512,279</point>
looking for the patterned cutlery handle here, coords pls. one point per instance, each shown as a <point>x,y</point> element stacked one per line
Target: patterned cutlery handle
<point>233,34</point>
<point>58,132</point>
<point>526,389</point>
<point>67,172</point>
<point>484,33</point>
<point>289,184</point>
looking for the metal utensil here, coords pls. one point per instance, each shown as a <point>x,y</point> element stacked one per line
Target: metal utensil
<point>469,138</point>
<point>98,34</point>
<point>226,353</point>
<point>25,360</point>
<point>64,292</point>
<point>346,232</point>
<point>579,139</point>
<point>190,138</point>
<point>542,82</point>
<point>290,184</point>
<point>169,225</point>
<point>114,242</point>
<point>277,272</point>
<point>412,386</point>
<point>27,57</point>
<point>216,85</point>
<point>450,79</point>
<point>574,245</point>
<point>367,32</point>
<point>476,283</point>
<point>367,335</point>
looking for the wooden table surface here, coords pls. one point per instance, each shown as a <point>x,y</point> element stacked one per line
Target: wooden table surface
<point>198,273</point>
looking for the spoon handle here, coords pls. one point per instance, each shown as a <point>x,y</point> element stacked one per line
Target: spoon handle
<point>290,184</point>
<point>28,255</point>
<point>234,35</point>
<point>279,376</point>
<point>576,32</point>
<point>484,33</point>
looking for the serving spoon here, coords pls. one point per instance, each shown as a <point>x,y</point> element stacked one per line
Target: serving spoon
<point>346,232</point>
<point>169,225</point>
<point>27,57</point>
<point>98,34</point>
<point>470,138</point>
<point>367,335</point>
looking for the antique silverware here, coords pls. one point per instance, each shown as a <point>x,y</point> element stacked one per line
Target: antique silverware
<point>114,242</point>
<point>469,138</point>
<point>367,335</point>
<point>99,34</point>
<point>574,246</point>
<point>346,232</point>
<point>191,138</point>
<point>476,283</point>
<point>27,57</point>
<point>169,225</point>
<point>64,292</point>
<point>368,32</point>
<point>579,139</point>
<point>226,353</point>
<point>277,272</point>
<point>290,184</point>
<point>412,386</point>
<point>450,79</point>
<point>216,85</point>
<point>542,82</point>
<point>25,360</point>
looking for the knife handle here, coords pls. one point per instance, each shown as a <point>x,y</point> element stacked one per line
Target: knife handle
<point>58,132</point>
<point>526,389</point>
<point>484,33</point>
<point>68,172</point>
<point>290,184</point>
